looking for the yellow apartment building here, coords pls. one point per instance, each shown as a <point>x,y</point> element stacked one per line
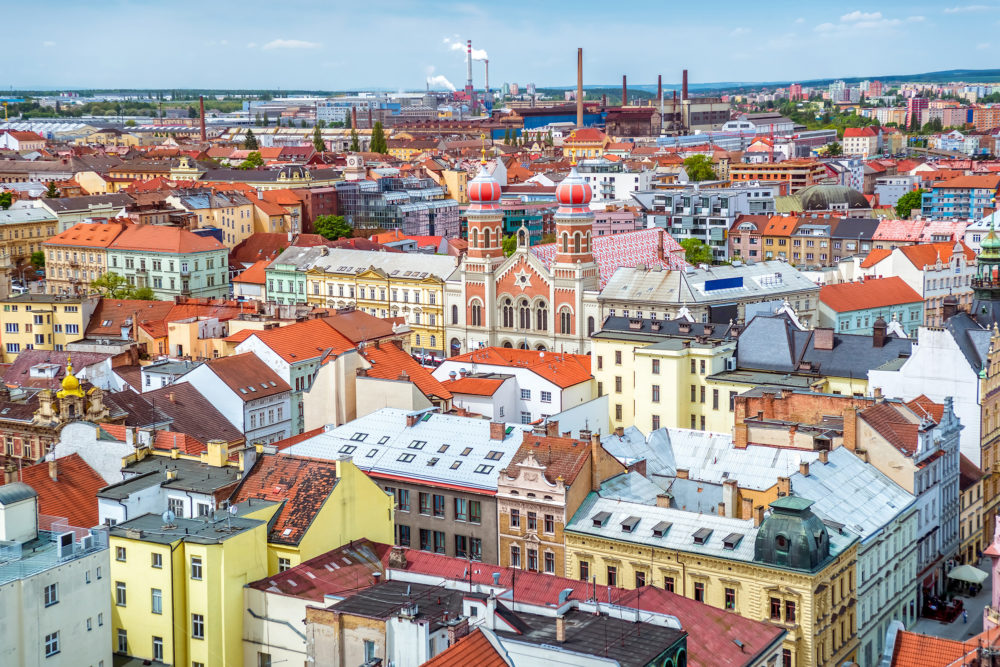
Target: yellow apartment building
<point>77,256</point>
<point>23,231</point>
<point>43,322</point>
<point>232,212</point>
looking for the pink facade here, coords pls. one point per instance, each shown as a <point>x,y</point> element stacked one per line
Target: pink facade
<point>607,223</point>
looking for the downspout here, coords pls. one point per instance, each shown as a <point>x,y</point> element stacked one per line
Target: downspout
<point>173,626</point>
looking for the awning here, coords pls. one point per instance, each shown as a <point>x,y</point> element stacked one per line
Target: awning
<point>972,575</point>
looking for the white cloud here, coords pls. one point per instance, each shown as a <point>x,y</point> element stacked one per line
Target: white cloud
<point>290,44</point>
<point>965,9</point>
<point>737,32</point>
<point>825,27</point>
<point>224,42</point>
<point>48,44</point>
<point>916,19</point>
<point>800,20</point>
<point>982,46</point>
<point>458,45</point>
<point>252,45</point>
<point>861,16</point>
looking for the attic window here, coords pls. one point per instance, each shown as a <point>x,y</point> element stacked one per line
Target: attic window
<point>263,385</point>
<point>242,390</point>
<point>253,389</point>
<point>456,465</point>
<point>384,439</point>
<point>360,437</point>
<point>406,458</point>
<point>286,532</point>
<point>418,444</point>
<point>660,529</point>
<point>106,323</point>
<point>433,461</point>
<point>273,383</point>
<point>600,519</point>
<point>347,449</point>
<point>732,540</point>
<point>494,456</point>
<point>371,453</point>
<point>442,449</point>
<point>483,469</point>
<point>702,535</point>
<point>466,451</point>
<point>629,524</point>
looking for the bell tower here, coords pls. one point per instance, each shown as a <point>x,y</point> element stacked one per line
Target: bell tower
<point>986,283</point>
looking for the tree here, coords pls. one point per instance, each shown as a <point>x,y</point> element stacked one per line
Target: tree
<point>111,286</point>
<point>130,123</point>
<point>834,149</point>
<point>355,142</point>
<point>192,112</point>
<point>52,192</point>
<point>697,252</point>
<point>332,227</point>
<point>506,137</point>
<point>933,125</point>
<point>142,294</point>
<point>318,142</point>
<point>908,202</point>
<point>509,245</point>
<point>250,141</point>
<point>38,259</point>
<point>253,161</point>
<point>378,144</point>
<point>699,168</point>
<point>6,200</point>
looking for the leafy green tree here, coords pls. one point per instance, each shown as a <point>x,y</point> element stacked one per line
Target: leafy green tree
<point>509,245</point>
<point>834,149</point>
<point>253,161</point>
<point>6,200</point>
<point>130,123</point>
<point>142,294</point>
<point>506,137</point>
<point>699,168</point>
<point>318,142</point>
<point>697,252</point>
<point>908,202</point>
<point>933,125</point>
<point>192,112</point>
<point>250,141</point>
<point>38,259</point>
<point>332,227</point>
<point>52,192</point>
<point>378,144</point>
<point>321,123</point>
<point>355,142</point>
<point>111,285</point>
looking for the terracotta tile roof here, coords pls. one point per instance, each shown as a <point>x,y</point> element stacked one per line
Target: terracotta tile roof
<point>73,494</point>
<point>859,132</point>
<point>164,440</point>
<point>302,340</point>
<point>873,293</point>
<point>472,649</point>
<point>88,235</point>
<point>19,372</point>
<point>301,437</point>
<point>780,225</point>
<point>899,230</point>
<point>111,314</point>
<point>248,376</point>
<point>389,363</point>
<point>340,572</point>
<point>282,196</point>
<point>163,239</point>
<point>586,135</point>
<point>976,181</point>
<point>968,473</point>
<point>874,257</point>
<point>564,370</point>
<point>888,422</point>
<point>473,386</point>
<point>923,406</point>
<point>358,326</point>
<point>915,650</point>
<point>266,245</point>
<point>927,254</point>
<point>561,457</point>
<point>193,414</point>
<point>268,207</point>
<point>255,275</point>
<point>302,485</point>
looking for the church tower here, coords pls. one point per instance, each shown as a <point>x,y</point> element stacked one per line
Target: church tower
<point>986,283</point>
<point>485,218</point>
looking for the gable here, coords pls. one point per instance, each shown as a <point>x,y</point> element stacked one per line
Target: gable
<point>523,274</point>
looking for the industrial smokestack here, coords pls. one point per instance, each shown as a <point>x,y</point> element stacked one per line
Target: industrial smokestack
<point>579,87</point>
<point>371,125</point>
<point>201,103</point>
<point>487,61</point>
<point>354,118</point>
<point>469,90</point>
<point>624,91</point>
<point>659,87</point>
<point>684,86</point>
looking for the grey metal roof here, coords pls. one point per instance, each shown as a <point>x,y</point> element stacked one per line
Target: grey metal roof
<point>89,202</point>
<point>15,492</point>
<point>350,262</point>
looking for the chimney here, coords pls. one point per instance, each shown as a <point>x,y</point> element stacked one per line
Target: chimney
<point>949,306</point>
<point>54,469</point>
<point>552,428</point>
<point>682,473</point>
<point>684,85</point>
<point>804,468</point>
<point>9,474</point>
<point>171,397</point>
<point>746,508</point>
<point>730,492</point>
<point>758,515</point>
<point>721,509</point>
<point>411,420</point>
<point>354,117</point>
<point>497,430</point>
<point>560,629</point>
<point>620,431</point>
<point>824,456</point>
<point>579,87</point>
<point>784,487</point>
<point>851,428</point>
<point>659,87</point>
<point>595,448</point>
<point>624,91</point>
<point>879,335</point>
<point>662,500</point>
<point>201,103</point>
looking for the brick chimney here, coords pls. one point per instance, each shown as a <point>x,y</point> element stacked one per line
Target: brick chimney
<point>824,456</point>
<point>746,508</point>
<point>804,468</point>
<point>411,420</point>
<point>54,469</point>
<point>497,430</point>
<point>560,629</point>
<point>552,428</point>
<point>620,431</point>
<point>758,515</point>
<point>851,428</point>
<point>682,473</point>
<point>595,449</point>
<point>784,486</point>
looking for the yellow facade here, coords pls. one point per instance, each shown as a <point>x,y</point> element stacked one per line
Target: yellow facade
<point>823,632</point>
<point>971,524</point>
<point>42,322</point>
<point>70,270</point>
<point>23,231</point>
<point>419,302</point>
<point>108,138</point>
<point>456,181</point>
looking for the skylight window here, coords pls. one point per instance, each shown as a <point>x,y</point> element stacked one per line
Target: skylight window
<point>384,439</point>
<point>433,461</point>
<point>417,444</point>
<point>360,437</point>
<point>494,456</point>
<point>242,390</point>
<point>442,449</point>
<point>466,451</point>
<point>347,449</point>
<point>456,465</point>
<point>406,458</point>
<point>483,469</point>
<point>371,453</point>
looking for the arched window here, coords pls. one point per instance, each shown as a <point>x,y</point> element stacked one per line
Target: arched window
<point>590,325</point>
<point>507,344</point>
<point>542,317</point>
<point>508,314</point>
<point>474,237</point>
<point>576,243</point>
<point>477,314</point>
<point>486,238</point>
<point>525,315</point>
<point>454,314</point>
<point>434,341</point>
<point>565,321</point>
<point>456,346</point>
<point>565,242</point>
<point>522,346</point>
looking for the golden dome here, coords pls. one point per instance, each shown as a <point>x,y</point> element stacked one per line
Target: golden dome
<point>70,385</point>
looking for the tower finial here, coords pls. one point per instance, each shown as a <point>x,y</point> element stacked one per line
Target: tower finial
<point>482,138</point>
<point>572,159</point>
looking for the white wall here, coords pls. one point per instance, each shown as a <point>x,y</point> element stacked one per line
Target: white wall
<point>272,623</point>
<point>104,456</point>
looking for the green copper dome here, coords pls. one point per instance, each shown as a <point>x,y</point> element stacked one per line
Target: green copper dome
<point>792,536</point>
<point>990,244</point>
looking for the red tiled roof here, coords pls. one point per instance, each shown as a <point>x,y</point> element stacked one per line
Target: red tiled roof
<point>915,650</point>
<point>163,239</point>
<point>340,572</point>
<point>88,235</point>
<point>564,370</point>
<point>874,257</point>
<point>303,485</point>
<point>73,494</point>
<point>922,405</point>
<point>899,230</point>
<point>389,363</point>
<point>302,340</point>
<point>893,426</point>
<point>780,225</point>
<point>924,254</point>
<point>248,376</point>
<point>358,326</point>
<point>586,135</point>
<point>968,473</point>
<point>296,439</point>
<point>255,275</point>
<point>472,649</point>
<point>976,181</point>
<point>473,386</point>
<point>110,315</point>
<point>859,132</point>
<point>873,293</point>
<point>164,440</point>
<point>561,457</point>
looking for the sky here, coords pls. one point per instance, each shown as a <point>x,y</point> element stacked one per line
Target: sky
<point>399,44</point>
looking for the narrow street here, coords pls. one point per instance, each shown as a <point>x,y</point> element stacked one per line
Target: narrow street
<point>957,629</point>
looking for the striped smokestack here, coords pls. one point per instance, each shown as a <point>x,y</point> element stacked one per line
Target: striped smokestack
<point>201,103</point>
<point>579,87</point>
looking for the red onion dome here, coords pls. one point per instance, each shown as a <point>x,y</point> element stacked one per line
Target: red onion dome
<point>484,189</point>
<point>574,191</point>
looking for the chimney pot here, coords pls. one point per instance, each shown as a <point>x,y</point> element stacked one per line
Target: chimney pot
<point>824,456</point>
<point>497,430</point>
<point>804,468</point>
<point>54,469</point>
<point>682,473</point>
<point>758,515</point>
<point>560,629</point>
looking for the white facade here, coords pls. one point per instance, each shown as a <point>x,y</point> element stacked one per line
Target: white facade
<point>611,182</point>
<point>272,625</point>
<point>890,188</point>
<point>104,456</point>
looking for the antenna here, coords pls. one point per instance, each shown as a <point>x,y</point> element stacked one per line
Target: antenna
<point>168,518</point>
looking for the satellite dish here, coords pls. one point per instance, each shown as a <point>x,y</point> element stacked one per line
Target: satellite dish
<point>168,517</point>
<point>233,510</point>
